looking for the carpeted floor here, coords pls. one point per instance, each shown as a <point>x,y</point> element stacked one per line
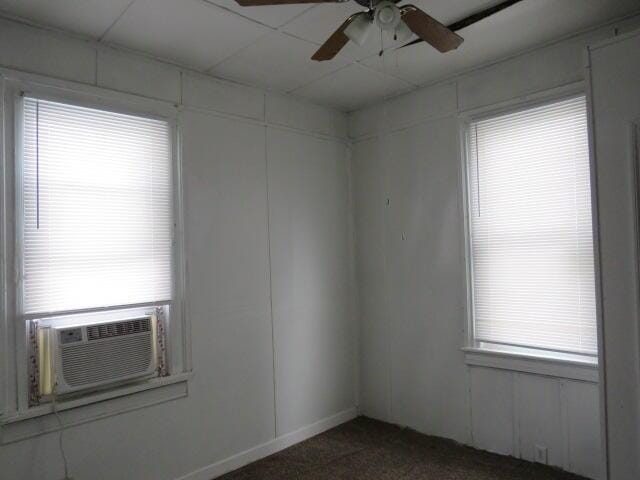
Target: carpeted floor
<point>367,449</point>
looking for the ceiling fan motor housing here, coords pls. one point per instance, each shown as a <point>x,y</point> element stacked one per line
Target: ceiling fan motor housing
<point>387,15</point>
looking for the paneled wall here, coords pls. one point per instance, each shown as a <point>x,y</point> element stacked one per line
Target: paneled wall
<point>268,289</point>
<point>614,74</point>
<point>411,271</point>
<point>314,339</point>
<point>514,413</point>
<point>268,277</point>
<point>412,308</point>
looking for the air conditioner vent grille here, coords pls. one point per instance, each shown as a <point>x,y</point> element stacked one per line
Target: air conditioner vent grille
<point>118,329</point>
<point>87,363</point>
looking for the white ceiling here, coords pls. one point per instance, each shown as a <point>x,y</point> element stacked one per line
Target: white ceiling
<point>270,47</point>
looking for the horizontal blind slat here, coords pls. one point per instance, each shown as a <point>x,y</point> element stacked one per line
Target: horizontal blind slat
<point>531,232</point>
<point>97,220</point>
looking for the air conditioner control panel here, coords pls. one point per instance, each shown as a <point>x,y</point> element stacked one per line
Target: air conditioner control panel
<point>70,335</point>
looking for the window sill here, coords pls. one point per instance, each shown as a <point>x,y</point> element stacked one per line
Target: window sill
<point>585,371</point>
<point>40,420</point>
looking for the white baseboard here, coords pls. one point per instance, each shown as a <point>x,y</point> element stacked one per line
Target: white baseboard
<point>268,448</point>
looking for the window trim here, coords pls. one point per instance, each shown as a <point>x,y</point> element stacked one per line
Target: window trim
<point>556,363</point>
<point>13,368</point>
<point>40,420</point>
<point>548,366</point>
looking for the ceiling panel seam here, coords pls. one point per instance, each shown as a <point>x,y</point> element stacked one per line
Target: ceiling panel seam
<point>385,73</point>
<point>104,34</point>
<point>224,59</point>
<point>278,30</point>
<point>412,85</point>
<point>273,29</point>
<point>325,75</point>
<point>237,14</point>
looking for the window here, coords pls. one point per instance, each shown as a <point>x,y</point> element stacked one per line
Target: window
<point>531,240</point>
<point>95,208</point>
<point>97,228</point>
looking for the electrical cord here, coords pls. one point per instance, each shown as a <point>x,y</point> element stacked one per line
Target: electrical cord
<point>54,397</point>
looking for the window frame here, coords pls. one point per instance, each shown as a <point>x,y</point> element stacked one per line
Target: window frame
<point>13,371</point>
<point>531,360</point>
<point>19,196</point>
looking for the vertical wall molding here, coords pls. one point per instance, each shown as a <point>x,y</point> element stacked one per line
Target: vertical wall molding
<point>566,431</point>
<point>515,414</point>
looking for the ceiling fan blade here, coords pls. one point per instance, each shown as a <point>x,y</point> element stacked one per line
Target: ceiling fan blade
<point>257,3</point>
<point>471,19</point>
<point>336,41</point>
<point>429,29</point>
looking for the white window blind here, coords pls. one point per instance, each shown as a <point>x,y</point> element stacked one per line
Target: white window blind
<point>531,229</point>
<point>97,223</point>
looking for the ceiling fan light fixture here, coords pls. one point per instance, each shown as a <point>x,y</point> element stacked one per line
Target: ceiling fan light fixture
<point>358,30</point>
<point>387,15</point>
<point>402,32</point>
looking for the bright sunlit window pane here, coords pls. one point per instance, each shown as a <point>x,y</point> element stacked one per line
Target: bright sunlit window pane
<point>531,231</point>
<point>97,222</point>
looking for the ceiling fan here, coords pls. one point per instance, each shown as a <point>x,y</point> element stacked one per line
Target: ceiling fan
<point>403,21</point>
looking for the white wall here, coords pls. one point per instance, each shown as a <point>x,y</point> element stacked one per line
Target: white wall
<point>268,280</point>
<point>411,275</point>
<point>314,341</point>
<point>267,243</point>
<point>614,75</point>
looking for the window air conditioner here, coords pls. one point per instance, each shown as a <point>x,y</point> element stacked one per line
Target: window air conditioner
<point>85,357</point>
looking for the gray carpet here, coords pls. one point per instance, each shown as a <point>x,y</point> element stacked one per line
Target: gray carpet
<point>373,450</point>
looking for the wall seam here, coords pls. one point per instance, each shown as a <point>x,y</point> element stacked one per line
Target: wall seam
<point>565,424</point>
<point>273,336</point>
<point>354,285</point>
<point>515,413</point>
